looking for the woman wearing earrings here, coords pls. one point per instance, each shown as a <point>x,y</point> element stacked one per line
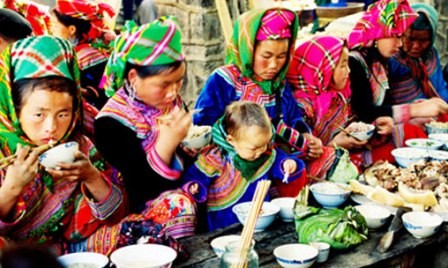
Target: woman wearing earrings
<point>375,38</point>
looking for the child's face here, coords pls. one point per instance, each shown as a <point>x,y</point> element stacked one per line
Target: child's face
<point>341,72</point>
<point>251,142</point>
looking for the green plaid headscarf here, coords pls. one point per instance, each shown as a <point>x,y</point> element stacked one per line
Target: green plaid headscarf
<point>156,43</point>
<point>33,57</point>
<point>240,50</point>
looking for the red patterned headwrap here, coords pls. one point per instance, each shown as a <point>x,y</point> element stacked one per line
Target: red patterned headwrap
<point>275,24</point>
<point>87,10</point>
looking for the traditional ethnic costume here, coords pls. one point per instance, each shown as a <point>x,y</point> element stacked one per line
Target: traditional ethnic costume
<point>368,72</point>
<point>235,81</point>
<point>92,50</point>
<point>231,180</point>
<point>126,128</point>
<point>411,78</point>
<point>49,211</point>
<point>368,76</point>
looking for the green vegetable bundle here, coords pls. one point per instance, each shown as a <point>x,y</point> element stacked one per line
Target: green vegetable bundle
<point>341,229</point>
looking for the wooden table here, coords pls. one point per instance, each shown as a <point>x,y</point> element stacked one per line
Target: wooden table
<point>281,233</point>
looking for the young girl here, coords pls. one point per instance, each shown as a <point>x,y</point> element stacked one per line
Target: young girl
<point>319,74</point>
<point>242,156</point>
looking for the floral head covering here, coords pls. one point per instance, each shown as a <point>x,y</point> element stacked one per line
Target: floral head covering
<point>33,57</point>
<point>383,19</point>
<point>156,43</point>
<point>310,74</point>
<point>36,14</point>
<point>86,10</point>
<point>263,24</point>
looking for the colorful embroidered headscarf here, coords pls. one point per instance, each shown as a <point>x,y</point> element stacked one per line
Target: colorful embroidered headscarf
<point>383,19</point>
<point>33,57</point>
<point>241,48</point>
<point>156,43</point>
<point>87,10</point>
<point>38,15</point>
<point>310,74</point>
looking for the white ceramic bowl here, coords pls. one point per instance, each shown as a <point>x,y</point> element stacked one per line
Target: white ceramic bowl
<point>62,153</point>
<point>436,127</point>
<point>375,216</point>
<point>364,135</point>
<point>266,217</point>
<point>329,195</point>
<point>198,137</point>
<point>219,243</point>
<point>421,224</point>
<point>443,137</point>
<point>286,205</point>
<point>424,143</point>
<point>94,260</point>
<point>143,256</point>
<point>437,155</point>
<point>407,155</point>
<point>295,255</point>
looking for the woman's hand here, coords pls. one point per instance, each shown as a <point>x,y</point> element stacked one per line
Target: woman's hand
<point>194,189</point>
<point>384,125</point>
<point>348,142</point>
<point>23,169</point>
<point>428,108</point>
<point>314,146</point>
<point>289,166</point>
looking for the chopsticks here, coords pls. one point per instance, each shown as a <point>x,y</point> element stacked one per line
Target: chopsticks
<point>249,226</point>
<point>168,117</point>
<point>4,162</point>
<point>368,146</point>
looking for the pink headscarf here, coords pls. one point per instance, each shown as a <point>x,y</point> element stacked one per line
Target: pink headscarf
<point>383,19</point>
<point>275,24</point>
<point>310,74</point>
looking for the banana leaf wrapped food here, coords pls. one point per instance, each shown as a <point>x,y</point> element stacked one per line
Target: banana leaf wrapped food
<point>341,228</point>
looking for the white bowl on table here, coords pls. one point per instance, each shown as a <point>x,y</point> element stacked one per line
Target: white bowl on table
<point>143,256</point>
<point>295,255</point>
<point>443,137</point>
<point>429,144</point>
<point>198,137</point>
<point>421,224</point>
<point>407,155</point>
<point>329,194</point>
<point>375,216</point>
<point>87,259</point>
<point>266,217</point>
<point>62,153</point>
<point>286,205</point>
<point>437,155</point>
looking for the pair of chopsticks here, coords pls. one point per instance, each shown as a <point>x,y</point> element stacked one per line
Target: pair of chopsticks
<point>368,146</point>
<point>251,220</point>
<point>4,162</point>
<point>168,117</point>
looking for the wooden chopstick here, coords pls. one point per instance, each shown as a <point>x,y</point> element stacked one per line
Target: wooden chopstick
<point>348,133</point>
<point>251,220</point>
<point>4,162</point>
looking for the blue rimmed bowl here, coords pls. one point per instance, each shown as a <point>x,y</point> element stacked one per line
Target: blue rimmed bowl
<point>421,224</point>
<point>295,255</point>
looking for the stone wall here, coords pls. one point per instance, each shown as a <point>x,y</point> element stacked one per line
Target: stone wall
<point>203,42</point>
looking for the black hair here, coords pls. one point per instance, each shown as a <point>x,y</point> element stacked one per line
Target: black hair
<point>13,26</point>
<point>24,87</point>
<point>151,70</point>
<point>82,26</point>
<point>422,23</point>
